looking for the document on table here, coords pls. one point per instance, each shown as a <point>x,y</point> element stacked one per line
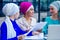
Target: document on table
<point>40,36</point>
<point>38,26</point>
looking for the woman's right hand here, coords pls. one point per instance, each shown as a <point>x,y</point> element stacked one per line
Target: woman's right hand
<point>21,37</point>
<point>35,33</point>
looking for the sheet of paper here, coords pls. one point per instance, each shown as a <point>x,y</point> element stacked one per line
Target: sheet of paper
<point>38,26</point>
<point>40,36</point>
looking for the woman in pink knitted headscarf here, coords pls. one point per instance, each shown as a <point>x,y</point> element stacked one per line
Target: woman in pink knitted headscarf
<point>27,21</point>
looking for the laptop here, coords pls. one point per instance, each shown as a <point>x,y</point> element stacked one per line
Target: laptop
<point>53,32</point>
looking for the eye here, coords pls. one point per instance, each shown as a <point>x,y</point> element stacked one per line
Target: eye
<point>31,9</point>
<point>51,8</point>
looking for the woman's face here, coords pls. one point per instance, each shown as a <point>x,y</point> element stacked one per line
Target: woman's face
<point>30,13</point>
<point>16,15</point>
<point>53,11</point>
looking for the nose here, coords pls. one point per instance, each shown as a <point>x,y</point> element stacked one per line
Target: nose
<point>51,10</point>
<point>32,11</point>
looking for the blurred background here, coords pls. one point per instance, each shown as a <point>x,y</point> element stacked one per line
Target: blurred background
<point>41,8</point>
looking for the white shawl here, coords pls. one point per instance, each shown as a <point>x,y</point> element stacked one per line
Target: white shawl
<point>10,30</point>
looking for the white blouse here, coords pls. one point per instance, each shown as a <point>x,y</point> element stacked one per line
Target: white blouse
<point>24,25</point>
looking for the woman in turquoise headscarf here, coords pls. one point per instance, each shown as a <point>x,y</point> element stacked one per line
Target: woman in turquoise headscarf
<point>54,18</point>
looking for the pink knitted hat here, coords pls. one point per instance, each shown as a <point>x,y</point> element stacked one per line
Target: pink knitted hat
<point>25,6</point>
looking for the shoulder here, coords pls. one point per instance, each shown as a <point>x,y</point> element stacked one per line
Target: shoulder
<point>3,26</point>
<point>47,18</point>
<point>20,19</point>
<point>34,19</point>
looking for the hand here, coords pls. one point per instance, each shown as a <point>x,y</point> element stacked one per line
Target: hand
<point>36,33</point>
<point>39,30</point>
<point>20,37</point>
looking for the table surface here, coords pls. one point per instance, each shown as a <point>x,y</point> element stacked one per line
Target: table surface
<point>40,36</point>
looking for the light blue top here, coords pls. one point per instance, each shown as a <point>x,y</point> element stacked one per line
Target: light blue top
<point>49,21</point>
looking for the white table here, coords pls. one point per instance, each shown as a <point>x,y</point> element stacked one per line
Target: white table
<point>36,37</point>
